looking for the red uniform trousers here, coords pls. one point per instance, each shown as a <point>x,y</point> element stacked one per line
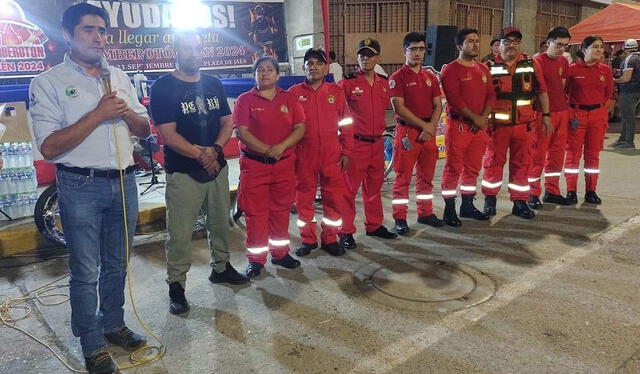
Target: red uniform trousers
<point>313,167</point>
<point>547,151</point>
<point>517,140</point>
<point>266,195</point>
<point>590,137</point>
<point>422,157</point>
<point>367,169</point>
<point>464,158</point>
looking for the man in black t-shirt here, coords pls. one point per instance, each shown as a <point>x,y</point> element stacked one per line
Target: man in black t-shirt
<point>191,112</point>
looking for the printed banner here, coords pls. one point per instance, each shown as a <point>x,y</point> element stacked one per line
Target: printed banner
<point>139,36</point>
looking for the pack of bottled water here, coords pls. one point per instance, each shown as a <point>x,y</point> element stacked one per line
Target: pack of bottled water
<point>18,180</point>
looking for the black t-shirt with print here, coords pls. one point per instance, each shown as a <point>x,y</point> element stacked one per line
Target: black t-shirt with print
<point>195,107</point>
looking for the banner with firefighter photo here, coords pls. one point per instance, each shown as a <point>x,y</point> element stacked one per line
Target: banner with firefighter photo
<point>139,36</point>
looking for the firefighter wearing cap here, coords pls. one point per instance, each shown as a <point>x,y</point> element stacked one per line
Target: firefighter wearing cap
<point>517,80</point>
<point>629,87</point>
<point>322,155</point>
<point>368,97</point>
<point>589,88</point>
<point>547,151</point>
<point>465,135</point>
<point>415,96</point>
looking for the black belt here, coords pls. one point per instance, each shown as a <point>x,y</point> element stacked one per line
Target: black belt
<point>405,123</point>
<point>263,159</point>
<point>586,107</point>
<point>100,173</point>
<point>364,138</point>
<point>460,118</point>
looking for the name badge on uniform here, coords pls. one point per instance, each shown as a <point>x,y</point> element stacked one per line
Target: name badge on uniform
<point>357,91</point>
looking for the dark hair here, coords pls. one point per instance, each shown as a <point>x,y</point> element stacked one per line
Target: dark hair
<point>543,43</point>
<point>72,16</point>
<point>332,56</point>
<point>266,59</point>
<point>182,34</point>
<point>493,41</point>
<point>460,35</point>
<point>558,32</point>
<point>413,37</point>
<point>586,42</point>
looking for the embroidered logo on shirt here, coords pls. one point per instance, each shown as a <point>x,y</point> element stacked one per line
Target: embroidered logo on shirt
<point>602,78</point>
<point>429,82</point>
<point>257,109</point>
<point>32,100</point>
<point>392,83</point>
<point>331,99</point>
<point>71,91</point>
<point>302,98</point>
<point>411,84</point>
<point>284,108</point>
<point>357,91</point>
<point>484,78</point>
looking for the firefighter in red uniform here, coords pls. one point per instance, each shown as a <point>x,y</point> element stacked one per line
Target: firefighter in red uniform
<point>548,149</point>
<point>589,87</point>
<point>321,155</point>
<point>517,80</point>
<point>269,122</point>
<point>465,135</point>
<point>415,96</point>
<point>368,98</point>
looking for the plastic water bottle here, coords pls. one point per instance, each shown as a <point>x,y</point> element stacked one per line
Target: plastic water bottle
<point>3,153</point>
<point>3,183</point>
<point>11,176</point>
<point>11,154</point>
<point>29,152</point>
<point>29,179</point>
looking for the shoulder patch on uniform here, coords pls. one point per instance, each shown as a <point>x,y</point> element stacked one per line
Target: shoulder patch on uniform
<point>350,76</point>
<point>392,83</point>
<point>382,76</point>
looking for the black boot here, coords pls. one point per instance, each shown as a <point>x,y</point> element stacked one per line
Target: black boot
<point>534,202</point>
<point>555,199</point>
<point>253,269</point>
<point>229,275</point>
<point>401,227</point>
<point>178,302</point>
<point>490,205</point>
<point>431,220</point>
<point>286,262</point>
<point>101,363</point>
<point>522,210</point>
<point>468,210</point>
<point>592,198</point>
<point>347,241</point>
<point>305,248</point>
<point>334,249</point>
<point>449,216</point>
<point>572,197</point>
<point>382,232</point>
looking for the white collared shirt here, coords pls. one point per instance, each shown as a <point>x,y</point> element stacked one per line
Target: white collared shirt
<point>64,94</point>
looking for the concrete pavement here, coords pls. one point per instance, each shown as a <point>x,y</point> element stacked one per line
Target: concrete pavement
<point>564,299</point>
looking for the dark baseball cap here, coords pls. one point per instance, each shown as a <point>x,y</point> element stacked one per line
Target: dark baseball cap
<point>510,31</point>
<point>318,53</point>
<point>370,44</point>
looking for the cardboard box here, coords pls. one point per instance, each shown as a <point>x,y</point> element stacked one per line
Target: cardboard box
<point>14,117</point>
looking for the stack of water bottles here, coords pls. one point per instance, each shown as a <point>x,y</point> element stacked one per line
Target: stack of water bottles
<point>18,181</point>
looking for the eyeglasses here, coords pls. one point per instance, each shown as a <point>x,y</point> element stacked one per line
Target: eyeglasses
<point>511,41</point>
<point>415,49</point>
<point>560,45</point>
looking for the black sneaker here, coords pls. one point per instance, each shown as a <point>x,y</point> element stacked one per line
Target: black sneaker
<point>382,232</point>
<point>401,227</point>
<point>534,202</point>
<point>592,198</point>
<point>229,275</point>
<point>572,197</point>
<point>521,209</point>
<point>286,262</point>
<point>334,249</point>
<point>253,269</point>
<point>347,241</point>
<point>305,248</point>
<point>490,205</point>
<point>555,199</point>
<point>101,363</point>
<point>126,339</point>
<point>178,303</point>
<point>431,220</point>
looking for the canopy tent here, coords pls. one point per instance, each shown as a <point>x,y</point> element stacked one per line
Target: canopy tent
<point>615,23</point>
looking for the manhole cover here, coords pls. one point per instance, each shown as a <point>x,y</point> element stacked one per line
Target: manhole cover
<point>424,285</point>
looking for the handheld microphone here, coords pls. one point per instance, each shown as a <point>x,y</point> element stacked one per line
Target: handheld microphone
<point>105,75</point>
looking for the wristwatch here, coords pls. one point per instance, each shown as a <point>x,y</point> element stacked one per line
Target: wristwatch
<point>218,148</point>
